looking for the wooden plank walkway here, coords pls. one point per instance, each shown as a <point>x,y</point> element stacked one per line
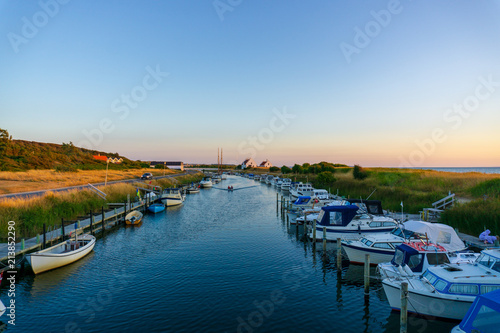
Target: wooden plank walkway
<point>111,218</point>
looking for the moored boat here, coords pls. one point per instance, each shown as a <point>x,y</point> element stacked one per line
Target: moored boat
<point>343,221</point>
<point>156,208</point>
<point>133,218</point>
<point>483,315</point>
<point>448,290</point>
<point>61,254</point>
<point>172,197</point>
<point>206,182</point>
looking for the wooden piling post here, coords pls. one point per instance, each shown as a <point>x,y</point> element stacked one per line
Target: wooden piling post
<point>339,255</point>
<point>22,244</point>
<point>324,240</point>
<point>314,232</point>
<point>403,328</point>
<point>305,226</point>
<point>44,237</point>
<point>277,199</point>
<point>367,274</point>
<point>91,222</point>
<point>62,229</point>
<point>102,220</point>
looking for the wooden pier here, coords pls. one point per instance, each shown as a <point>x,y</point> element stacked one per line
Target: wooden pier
<point>97,221</point>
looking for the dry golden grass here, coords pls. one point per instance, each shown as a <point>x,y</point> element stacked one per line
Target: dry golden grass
<point>33,180</point>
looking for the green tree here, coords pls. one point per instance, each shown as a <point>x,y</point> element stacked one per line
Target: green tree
<point>359,173</point>
<point>297,168</point>
<point>4,140</point>
<point>324,179</point>
<point>274,169</point>
<point>285,169</point>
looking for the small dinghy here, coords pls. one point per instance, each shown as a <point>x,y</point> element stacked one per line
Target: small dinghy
<point>61,254</point>
<point>133,218</point>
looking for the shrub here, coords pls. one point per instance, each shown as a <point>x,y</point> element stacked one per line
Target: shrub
<point>359,173</point>
<point>274,169</point>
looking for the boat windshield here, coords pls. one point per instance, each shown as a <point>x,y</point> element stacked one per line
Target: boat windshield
<point>398,257</point>
<point>488,261</point>
<point>407,234</point>
<point>437,258</point>
<point>486,320</point>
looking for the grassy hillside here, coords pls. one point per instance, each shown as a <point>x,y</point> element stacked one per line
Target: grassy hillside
<point>20,155</point>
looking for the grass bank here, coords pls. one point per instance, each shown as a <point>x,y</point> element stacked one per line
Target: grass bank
<point>33,180</point>
<point>31,213</point>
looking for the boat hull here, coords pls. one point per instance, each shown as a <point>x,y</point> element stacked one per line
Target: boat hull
<point>426,304</point>
<point>43,261</point>
<point>356,255</point>
<point>169,202</point>
<point>156,208</point>
<point>333,233</point>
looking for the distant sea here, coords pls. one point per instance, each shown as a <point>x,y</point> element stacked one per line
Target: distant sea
<point>461,170</point>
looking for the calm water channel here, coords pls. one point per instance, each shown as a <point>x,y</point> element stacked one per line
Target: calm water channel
<point>224,262</point>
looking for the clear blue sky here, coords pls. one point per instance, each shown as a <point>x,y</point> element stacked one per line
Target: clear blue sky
<point>376,83</point>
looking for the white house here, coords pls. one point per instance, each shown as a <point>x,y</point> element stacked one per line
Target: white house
<point>248,163</point>
<point>266,164</point>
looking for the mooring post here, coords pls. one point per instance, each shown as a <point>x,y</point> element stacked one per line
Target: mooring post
<point>339,255</point>
<point>324,241</point>
<point>91,222</point>
<point>404,308</point>
<point>37,238</point>
<point>22,244</point>
<point>102,219</point>
<point>367,274</point>
<point>62,229</point>
<point>305,226</point>
<point>44,239</point>
<point>314,232</point>
<point>277,199</point>
<point>124,211</point>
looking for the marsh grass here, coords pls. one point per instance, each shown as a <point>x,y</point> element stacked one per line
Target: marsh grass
<point>31,213</point>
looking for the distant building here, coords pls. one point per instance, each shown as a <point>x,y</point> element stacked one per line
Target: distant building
<point>248,163</point>
<point>111,159</point>
<point>100,158</point>
<point>170,165</point>
<point>265,164</point>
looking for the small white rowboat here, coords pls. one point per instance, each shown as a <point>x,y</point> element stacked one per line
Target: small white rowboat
<point>61,254</point>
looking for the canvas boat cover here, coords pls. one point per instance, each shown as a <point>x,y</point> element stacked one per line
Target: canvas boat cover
<point>438,233</point>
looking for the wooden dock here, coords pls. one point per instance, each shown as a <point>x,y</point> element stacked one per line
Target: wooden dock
<point>93,223</point>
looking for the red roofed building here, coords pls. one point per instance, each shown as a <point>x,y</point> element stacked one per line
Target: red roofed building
<point>101,158</point>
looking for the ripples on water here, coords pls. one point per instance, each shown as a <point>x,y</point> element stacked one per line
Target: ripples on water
<point>224,262</point>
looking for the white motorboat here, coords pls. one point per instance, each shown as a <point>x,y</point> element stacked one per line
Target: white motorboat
<point>172,197</point>
<point>278,183</point>
<point>344,222</point>
<point>285,185</point>
<point>448,290</point>
<point>61,254</point>
<point>301,189</point>
<point>206,182</point>
<point>263,178</point>
<point>381,247</point>
<point>417,256</point>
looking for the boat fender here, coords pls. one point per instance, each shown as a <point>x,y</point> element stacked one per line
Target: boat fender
<point>401,271</point>
<point>408,270</point>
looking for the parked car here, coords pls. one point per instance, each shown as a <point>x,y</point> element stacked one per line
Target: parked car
<point>147,175</point>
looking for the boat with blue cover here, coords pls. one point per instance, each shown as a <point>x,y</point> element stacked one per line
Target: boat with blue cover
<point>483,315</point>
<point>344,221</point>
